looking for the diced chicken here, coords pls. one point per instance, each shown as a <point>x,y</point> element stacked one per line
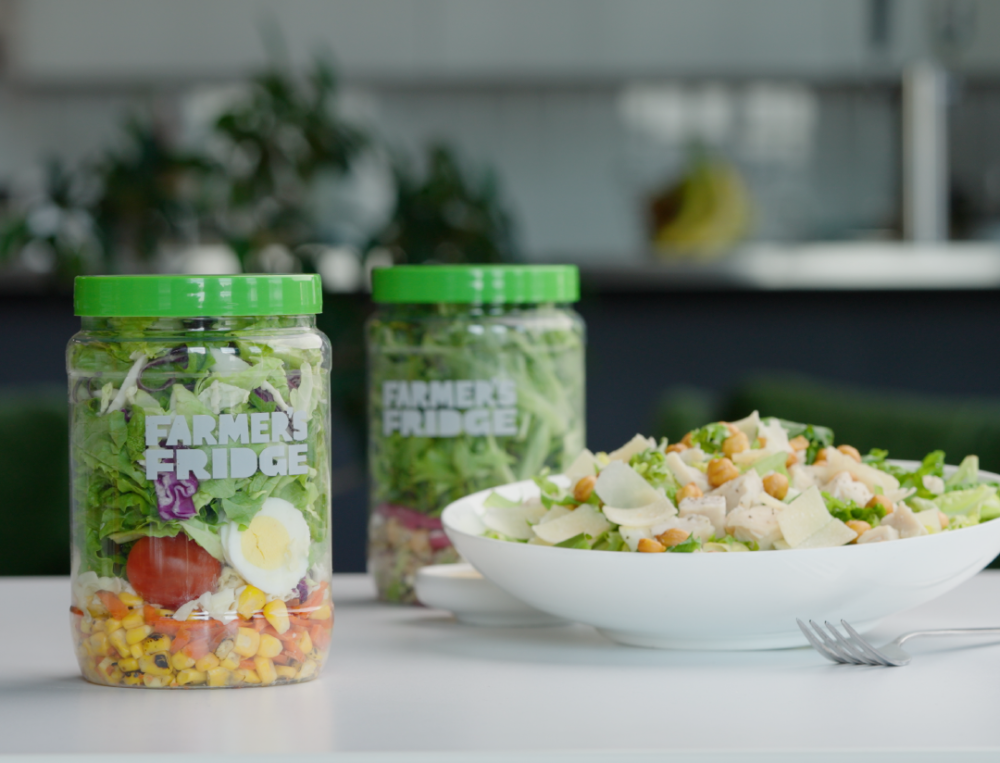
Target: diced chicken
<point>754,523</point>
<point>698,526</point>
<point>740,491</point>
<point>840,462</point>
<point>711,506</point>
<point>903,520</point>
<point>933,484</point>
<point>686,474</point>
<point>845,488</point>
<point>879,534</point>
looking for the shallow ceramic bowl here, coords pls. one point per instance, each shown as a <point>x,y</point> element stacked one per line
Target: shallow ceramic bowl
<point>473,599</point>
<point>721,601</point>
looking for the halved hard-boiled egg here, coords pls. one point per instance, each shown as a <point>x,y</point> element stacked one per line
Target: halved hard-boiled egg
<point>273,552</point>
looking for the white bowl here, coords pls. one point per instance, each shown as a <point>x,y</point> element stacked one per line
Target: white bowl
<point>721,601</point>
<point>473,599</point>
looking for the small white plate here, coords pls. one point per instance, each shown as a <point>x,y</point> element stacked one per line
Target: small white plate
<point>473,599</point>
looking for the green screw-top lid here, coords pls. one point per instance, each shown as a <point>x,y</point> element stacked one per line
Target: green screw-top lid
<point>479,284</point>
<point>197,296</point>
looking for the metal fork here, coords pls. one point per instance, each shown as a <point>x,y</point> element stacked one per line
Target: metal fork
<point>854,649</point>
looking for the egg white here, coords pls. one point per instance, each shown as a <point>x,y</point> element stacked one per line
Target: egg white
<point>294,560</point>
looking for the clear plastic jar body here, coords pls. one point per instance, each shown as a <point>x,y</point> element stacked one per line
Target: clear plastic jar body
<point>462,398</point>
<point>199,454</point>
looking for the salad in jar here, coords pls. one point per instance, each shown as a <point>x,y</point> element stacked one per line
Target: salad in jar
<point>749,485</point>
<point>201,484</point>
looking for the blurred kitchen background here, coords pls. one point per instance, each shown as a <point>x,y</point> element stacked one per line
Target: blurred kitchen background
<point>792,205</point>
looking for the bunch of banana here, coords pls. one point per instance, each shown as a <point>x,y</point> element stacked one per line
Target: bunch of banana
<point>704,214</point>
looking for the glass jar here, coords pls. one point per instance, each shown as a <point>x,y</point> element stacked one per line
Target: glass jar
<point>199,455</point>
<point>476,379</point>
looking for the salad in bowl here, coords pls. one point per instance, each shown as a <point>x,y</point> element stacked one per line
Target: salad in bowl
<point>750,485</point>
<point>687,528</point>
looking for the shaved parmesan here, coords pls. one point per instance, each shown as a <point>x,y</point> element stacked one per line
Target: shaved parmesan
<point>632,535</point>
<point>747,457</point>
<point>584,465</point>
<point>686,474</point>
<point>514,521</point>
<point>585,519</point>
<point>775,435</point>
<point>803,517</point>
<point>749,425</point>
<point>554,513</point>
<point>622,486</point>
<point>833,533</point>
<point>636,445</point>
<point>644,516</point>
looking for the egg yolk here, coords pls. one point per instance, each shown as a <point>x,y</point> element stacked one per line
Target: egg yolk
<point>265,542</point>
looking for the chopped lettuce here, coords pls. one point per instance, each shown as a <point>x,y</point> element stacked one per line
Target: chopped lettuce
<point>848,510</point>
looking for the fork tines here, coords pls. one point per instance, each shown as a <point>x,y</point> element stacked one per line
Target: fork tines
<point>851,649</point>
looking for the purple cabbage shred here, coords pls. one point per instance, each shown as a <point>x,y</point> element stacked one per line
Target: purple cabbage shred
<point>174,497</point>
<point>303,590</point>
<point>294,379</point>
<point>176,355</point>
<point>264,395</point>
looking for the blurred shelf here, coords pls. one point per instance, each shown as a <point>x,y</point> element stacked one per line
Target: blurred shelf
<point>812,267</point>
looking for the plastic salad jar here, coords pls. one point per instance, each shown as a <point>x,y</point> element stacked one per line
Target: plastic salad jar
<point>200,481</point>
<point>476,379</point>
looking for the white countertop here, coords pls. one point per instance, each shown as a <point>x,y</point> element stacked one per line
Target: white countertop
<point>412,684</point>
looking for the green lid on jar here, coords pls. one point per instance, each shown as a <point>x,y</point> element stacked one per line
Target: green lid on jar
<point>197,296</point>
<point>476,284</point>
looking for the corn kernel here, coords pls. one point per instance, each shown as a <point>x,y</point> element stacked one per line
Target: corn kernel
<point>309,670</point>
<point>232,662</point>
<point>156,665</point>
<point>116,676</point>
<point>98,625</point>
<point>136,651</point>
<point>305,643</point>
<point>86,625</point>
<point>132,680</point>
<point>269,646</point>
<point>265,669</point>
<point>218,677</point>
<point>105,667</point>
<point>99,642</point>
<point>181,661</point>
<point>111,625</point>
<point>322,613</point>
<point>155,682</point>
<point>133,619</point>
<point>284,671</point>
<point>119,642</point>
<point>247,642</point>
<point>223,650</point>
<point>130,599</point>
<point>189,676</point>
<point>129,664</point>
<point>96,607</point>
<point>251,600</point>
<point>247,676</point>
<point>158,642</point>
<point>276,613</point>
<point>206,663</point>
<point>135,635</point>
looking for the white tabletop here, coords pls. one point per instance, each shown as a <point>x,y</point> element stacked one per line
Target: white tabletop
<point>406,683</point>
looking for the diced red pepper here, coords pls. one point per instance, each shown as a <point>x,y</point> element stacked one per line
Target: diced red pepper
<point>113,604</point>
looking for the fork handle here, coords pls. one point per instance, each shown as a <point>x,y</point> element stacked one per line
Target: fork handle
<point>949,632</point>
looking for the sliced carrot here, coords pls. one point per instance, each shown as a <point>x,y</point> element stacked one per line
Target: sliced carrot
<point>76,611</point>
<point>113,604</point>
<point>320,636</point>
<point>248,665</point>
<point>197,649</point>
<point>181,640</point>
<point>315,598</point>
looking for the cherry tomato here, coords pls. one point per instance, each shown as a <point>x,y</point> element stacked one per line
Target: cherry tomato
<point>171,571</point>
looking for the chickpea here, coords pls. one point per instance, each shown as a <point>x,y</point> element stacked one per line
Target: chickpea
<point>859,526</point>
<point>736,443</point>
<point>776,486</point>
<point>673,537</point>
<point>880,500</point>
<point>850,450</point>
<point>690,490</point>
<point>944,519</point>
<point>720,471</point>
<point>762,441</point>
<point>687,441</point>
<point>584,488</point>
<point>677,447</point>
<point>650,546</point>
<point>820,457</point>
<point>799,443</point>
<point>791,460</point>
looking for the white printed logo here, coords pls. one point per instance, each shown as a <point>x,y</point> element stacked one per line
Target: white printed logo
<point>449,408</point>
